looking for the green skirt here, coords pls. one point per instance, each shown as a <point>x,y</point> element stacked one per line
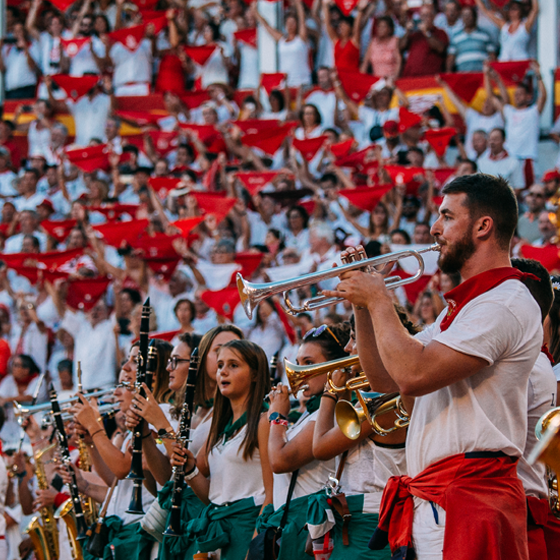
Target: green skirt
<point>125,542</point>
<point>228,527</point>
<point>360,529</point>
<point>173,548</point>
<point>294,534</point>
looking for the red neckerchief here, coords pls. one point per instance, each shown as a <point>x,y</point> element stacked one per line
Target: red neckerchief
<point>470,289</point>
<point>502,155</point>
<point>546,352</point>
<point>25,380</point>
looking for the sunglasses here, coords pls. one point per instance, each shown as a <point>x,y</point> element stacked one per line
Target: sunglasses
<point>318,331</point>
<point>174,362</point>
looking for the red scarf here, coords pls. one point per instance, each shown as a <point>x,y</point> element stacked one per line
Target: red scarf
<point>25,381</point>
<point>470,289</point>
<point>546,352</point>
<point>484,502</point>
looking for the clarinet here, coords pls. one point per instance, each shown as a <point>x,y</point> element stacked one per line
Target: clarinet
<point>273,365</point>
<point>174,525</point>
<point>136,472</point>
<point>81,525</point>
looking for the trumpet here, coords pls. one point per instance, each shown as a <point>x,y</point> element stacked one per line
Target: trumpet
<point>350,418</point>
<point>253,293</point>
<point>298,376</point>
<point>105,410</point>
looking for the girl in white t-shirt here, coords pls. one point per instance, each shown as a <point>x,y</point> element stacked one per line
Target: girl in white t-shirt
<point>231,473</point>
<point>515,32</point>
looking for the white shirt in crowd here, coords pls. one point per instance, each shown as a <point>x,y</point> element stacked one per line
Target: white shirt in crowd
<point>509,168</point>
<point>34,343</point>
<point>294,61</point>
<point>94,348</point>
<point>14,243</point>
<point>476,121</point>
<point>249,75</point>
<point>7,186</point>
<point>90,116</point>
<point>132,66</point>
<point>522,131</point>
<point>39,141</point>
<point>325,101</point>
<point>18,73</point>
<point>514,46</point>
<point>83,61</point>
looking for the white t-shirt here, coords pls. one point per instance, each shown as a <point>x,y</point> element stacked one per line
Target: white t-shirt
<point>132,67</point>
<point>522,131</point>
<point>18,73</point>
<point>542,397</point>
<point>14,243</point>
<point>513,46</point>
<point>509,168</point>
<point>83,62</point>
<point>487,411</point>
<point>3,491</point>
<point>94,347</point>
<point>476,121</point>
<point>294,61</point>
<point>90,116</point>
<point>249,76</point>
<point>7,186</point>
<point>325,101</point>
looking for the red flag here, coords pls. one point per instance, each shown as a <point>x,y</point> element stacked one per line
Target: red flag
<point>413,289</point>
<point>145,4</point>
<point>59,229</point>
<point>270,82</point>
<point>200,54</point>
<point>44,261</point>
<point>357,85</point>
<point>62,5</point>
<point>308,148</point>
<point>186,225</point>
<point>112,211</point>
<point>162,185</point>
<point>269,141</point>
<point>158,22</point>
<point>223,302</point>
<point>500,3</point>
<point>512,72</point>
<point>464,84</point>
<point>84,294</point>
<point>249,261</point>
<point>346,6</point>
<point>129,37</point>
<point>358,160</point>
<point>548,256</point>
<point>219,206</point>
<point>439,139</point>
<point>168,335</point>
<point>164,267</point>
<point>73,46</point>
<point>408,119</point>
<point>163,142</point>
<point>156,246</point>
<point>255,181</point>
<point>205,132</point>
<point>286,323</point>
<point>442,174</point>
<point>194,99</point>
<point>402,175</point>
<point>117,233</point>
<point>365,198</point>
<point>91,158</point>
<point>247,36</point>
<point>252,126</point>
<point>341,149</point>
<point>73,86</point>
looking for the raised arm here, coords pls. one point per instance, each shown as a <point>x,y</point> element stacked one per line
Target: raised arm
<point>541,98</point>
<point>532,17</point>
<point>302,28</point>
<point>358,22</point>
<point>327,20</point>
<point>31,21</point>
<point>274,33</point>
<point>499,104</point>
<point>84,10</point>
<point>351,104</point>
<point>494,17</point>
<point>460,105</point>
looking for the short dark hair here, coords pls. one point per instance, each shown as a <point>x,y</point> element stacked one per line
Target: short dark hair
<point>65,365</point>
<point>27,362</point>
<point>501,131</point>
<point>389,21</point>
<point>540,289</point>
<point>491,196</point>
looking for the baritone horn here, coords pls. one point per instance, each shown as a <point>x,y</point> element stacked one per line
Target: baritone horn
<point>350,418</point>
<point>253,293</point>
<point>298,376</point>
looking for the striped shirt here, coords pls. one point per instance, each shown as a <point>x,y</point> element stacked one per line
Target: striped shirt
<point>470,49</point>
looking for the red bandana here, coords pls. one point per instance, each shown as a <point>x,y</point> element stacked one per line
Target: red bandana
<point>470,289</point>
<point>546,352</point>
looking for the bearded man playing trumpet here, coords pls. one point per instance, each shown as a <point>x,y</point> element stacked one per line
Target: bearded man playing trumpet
<point>466,376</point>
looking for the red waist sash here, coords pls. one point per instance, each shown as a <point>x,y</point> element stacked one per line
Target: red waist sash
<point>484,501</point>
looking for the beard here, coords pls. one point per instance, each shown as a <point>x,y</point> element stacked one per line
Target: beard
<point>457,254</point>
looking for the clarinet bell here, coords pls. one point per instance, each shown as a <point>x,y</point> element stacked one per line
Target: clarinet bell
<point>135,505</point>
<point>174,527</point>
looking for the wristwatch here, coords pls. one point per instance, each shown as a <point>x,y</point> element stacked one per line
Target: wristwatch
<point>165,433</point>
<point>276,417</point>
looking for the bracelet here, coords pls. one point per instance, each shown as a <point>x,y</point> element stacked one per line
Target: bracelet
<point>147,435</point>
<point>21,475</point>
<point>330,395</point>
<point>192,473</point>
<point>280,422</point>
<point>97,432</point>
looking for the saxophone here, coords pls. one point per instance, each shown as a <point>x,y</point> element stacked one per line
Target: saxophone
<point>89,505</point>
<point>42,529</point>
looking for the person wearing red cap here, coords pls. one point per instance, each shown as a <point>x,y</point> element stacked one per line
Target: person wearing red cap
<point>425,46</point>
<point>466,378</point>
<point>551,182</point>
<point>522,124</point>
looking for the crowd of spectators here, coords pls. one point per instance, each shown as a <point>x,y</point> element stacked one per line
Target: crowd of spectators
<point>218,168</point>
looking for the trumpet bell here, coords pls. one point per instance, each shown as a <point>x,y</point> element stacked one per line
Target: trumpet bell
<point>349,419</point>
<point>547,449</point>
